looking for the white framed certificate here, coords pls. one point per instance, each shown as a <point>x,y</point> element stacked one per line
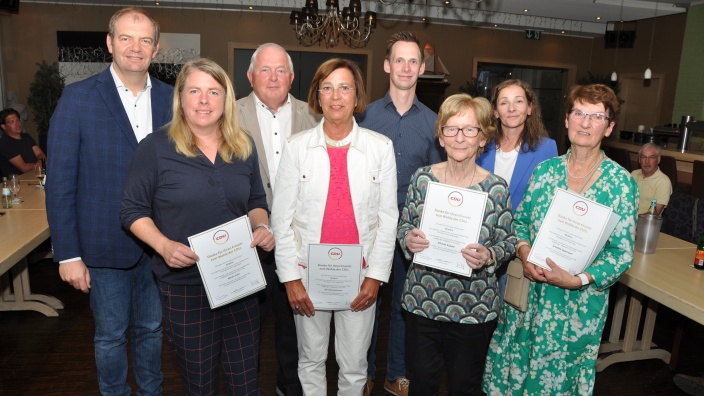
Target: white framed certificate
<point>574,231</point>
<point>229,268</point>
<point>334,275</point>
<point>452,218</point>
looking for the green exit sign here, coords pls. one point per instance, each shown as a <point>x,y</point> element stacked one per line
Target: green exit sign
<point>532,34</point>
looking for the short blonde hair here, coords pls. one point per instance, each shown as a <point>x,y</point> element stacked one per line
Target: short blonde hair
<point>458,104</point>
<point>235,142</point>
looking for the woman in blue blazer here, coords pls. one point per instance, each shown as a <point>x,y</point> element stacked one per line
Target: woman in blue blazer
<point>521,142</point>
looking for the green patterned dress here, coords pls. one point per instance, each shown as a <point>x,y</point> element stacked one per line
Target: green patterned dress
<point>449,297</point>
<point>552,348</point>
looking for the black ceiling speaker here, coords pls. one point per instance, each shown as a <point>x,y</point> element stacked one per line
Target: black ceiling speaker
<point>12,6</point>
<point>619,38</point>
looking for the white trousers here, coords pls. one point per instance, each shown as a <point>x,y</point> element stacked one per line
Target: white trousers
<point>353,334</point>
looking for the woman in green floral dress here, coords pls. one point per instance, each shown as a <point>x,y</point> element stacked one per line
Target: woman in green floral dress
<point>551,349</point>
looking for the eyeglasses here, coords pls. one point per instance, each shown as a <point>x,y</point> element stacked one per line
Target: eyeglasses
<point>597,118</point>
<point>468,131</point>
<point>648,157</point>
<point>343,90</point>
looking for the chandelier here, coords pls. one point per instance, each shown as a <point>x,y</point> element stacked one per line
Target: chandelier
<point>334,25</point>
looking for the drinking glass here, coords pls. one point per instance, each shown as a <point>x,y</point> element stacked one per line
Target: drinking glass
<point>14,184</point>
<point>39,173</point>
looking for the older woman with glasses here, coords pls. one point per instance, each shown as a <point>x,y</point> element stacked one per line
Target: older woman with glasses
<point>552,347</point>
<point>336,184</point>
<point>451,317</point>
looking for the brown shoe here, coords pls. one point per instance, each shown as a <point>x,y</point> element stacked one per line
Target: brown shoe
<point>398,387</point>
<point>368,387</point>
<point>690,385</point>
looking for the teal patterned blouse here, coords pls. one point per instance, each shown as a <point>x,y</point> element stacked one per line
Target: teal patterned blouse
<point>450,297</point>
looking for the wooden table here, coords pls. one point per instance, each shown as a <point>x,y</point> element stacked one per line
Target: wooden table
<point>23,228</point>
<point>664,277</point>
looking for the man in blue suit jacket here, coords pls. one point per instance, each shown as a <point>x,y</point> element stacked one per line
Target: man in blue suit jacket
<point>93,134</point>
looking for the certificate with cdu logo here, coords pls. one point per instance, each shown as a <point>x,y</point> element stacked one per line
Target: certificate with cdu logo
<point>229,268</point>
<point>452,218</point>
<point>334,274</point>
<point>574,231</point>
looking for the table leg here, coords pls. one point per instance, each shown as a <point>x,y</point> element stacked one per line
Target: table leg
<point>619,309</point>
<point>630,348</point>
<point>22,299</point>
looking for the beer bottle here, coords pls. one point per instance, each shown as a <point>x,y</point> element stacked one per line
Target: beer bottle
<point>699,256</point>
<point>653,203</point>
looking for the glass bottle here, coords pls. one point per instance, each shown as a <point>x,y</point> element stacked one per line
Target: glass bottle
<point>6,194</point>
<point>653,204</point>
<point>699,256</point>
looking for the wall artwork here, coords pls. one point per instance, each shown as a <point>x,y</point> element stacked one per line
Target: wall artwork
<point>83,54</point>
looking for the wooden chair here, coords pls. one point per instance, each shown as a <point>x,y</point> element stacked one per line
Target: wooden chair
<point>668,166</point>
<point>698,179</point>
<point>621,156</point>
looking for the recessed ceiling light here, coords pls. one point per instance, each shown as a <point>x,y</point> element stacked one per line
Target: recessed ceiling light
<point>525,10</point>
<point>251,8</point>
<point>598,18</point>
<point>157,3</point>
<point>563,32</point>
<point>495,25</point>
<point>447,2</point>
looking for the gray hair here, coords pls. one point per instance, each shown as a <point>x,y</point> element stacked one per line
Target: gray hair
<point>657,148</point>
<point>265,46</point>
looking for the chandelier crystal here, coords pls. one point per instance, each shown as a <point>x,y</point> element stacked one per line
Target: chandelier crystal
<point>333,25</point>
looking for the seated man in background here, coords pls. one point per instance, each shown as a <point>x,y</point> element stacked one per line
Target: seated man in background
<point>652,183</point>
<point>19,153</point>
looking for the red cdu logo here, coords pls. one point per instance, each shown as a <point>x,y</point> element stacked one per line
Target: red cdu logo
<point>335,254</point>
<point>455,199</point>
<point>221,237</point>
<point>580,208</point>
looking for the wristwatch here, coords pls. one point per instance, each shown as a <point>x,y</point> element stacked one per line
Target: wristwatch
<point>490,260</point>
<point>584,278</point>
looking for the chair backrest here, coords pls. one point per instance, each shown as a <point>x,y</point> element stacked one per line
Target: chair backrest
<point>621,156</point>
<point>668,166</point>
<point>698,179</point>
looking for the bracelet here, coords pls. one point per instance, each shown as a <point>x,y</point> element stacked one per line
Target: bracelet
<point>520,244</point>
<point>264,226</point>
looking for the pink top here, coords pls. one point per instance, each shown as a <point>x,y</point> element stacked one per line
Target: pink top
<point>339,225</point>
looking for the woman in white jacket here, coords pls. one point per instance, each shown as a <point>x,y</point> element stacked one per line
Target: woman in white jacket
<point>336,184</point>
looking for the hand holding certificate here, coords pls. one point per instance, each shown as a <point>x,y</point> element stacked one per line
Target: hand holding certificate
<point>573,233</point>
<point>452,219</point>
<point>228,266</point>
<point>334,274</point>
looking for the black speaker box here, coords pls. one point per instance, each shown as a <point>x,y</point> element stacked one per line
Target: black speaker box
<point>624,39</point>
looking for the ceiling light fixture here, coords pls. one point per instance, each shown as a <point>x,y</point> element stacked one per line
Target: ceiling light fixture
<point>614,75</point>
<point>648,73</point>
<point>334,25</point>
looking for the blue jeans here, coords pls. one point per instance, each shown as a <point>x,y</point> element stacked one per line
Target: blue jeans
<point>120,298</point>
<point>396,355</point>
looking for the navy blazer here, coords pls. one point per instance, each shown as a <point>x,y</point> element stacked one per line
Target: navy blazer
<point>525,164</point>
<point>90,147</point>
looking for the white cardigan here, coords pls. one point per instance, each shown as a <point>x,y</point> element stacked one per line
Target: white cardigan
<point>301,191</point>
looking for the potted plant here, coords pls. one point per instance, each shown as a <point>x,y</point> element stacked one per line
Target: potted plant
<point>473,88</point>
<point>44,93</point>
